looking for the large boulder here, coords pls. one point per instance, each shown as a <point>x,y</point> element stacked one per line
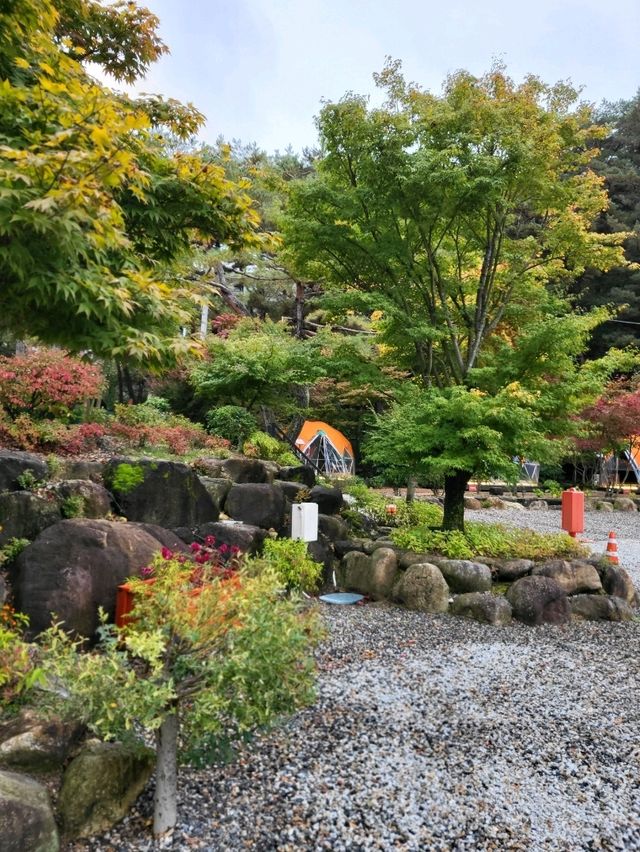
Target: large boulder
<point>243,470</point>
<point>494,502</point>
<point>76,566</point>
<point>472,503</point>
<point>347,545</point>
<point>293,491</point>
<point>617,581</point>
<point>100,786</point>
<point>334,528</point>
<point>31,743</point>
<point>600,608</point>
<point>322,551</point>
<point>94,499</point>
<point>26,817</point>
<point>234,533</point>
<point>409,558</point>
<point>379,579</point>
<point>462,575</point>
<point>482,606</point>
<point>329,500</point>
<point>66,468</point>
<point>539,600</point>
<point>302,474</point>
<point>422,587</point>
<point>217,488</point>
<point>354,570</point>
<point>261,505</point>
<point>573,577</point>
<point>508,570</point>
<point>25,515</point>
<point>624,504</point>
<point>165,493</point>
<point>14,463</point>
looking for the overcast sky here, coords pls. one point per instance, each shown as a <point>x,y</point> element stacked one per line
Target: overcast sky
<point>258,69</point>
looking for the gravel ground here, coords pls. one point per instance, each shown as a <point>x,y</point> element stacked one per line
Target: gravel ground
<point>436,733</point>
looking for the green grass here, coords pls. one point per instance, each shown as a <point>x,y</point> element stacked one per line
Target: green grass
<point>492,540</point>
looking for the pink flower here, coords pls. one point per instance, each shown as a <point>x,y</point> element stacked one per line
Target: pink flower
<point>210,540</point>
<point>182,559</point>
<point>201,558</point>
<point>224,548</point>
<point>166,553</point>
<point>147,571</point>
<point>235,550</point>
<point>194,547</point>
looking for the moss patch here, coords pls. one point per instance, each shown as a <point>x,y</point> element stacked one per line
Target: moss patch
<point>127,477</point>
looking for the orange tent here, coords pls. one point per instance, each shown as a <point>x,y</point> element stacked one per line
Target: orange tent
<point>326,447</point>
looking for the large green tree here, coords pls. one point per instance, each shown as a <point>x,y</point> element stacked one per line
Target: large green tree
<point>460,217</point>
<point>94,210</point>
<point>618,162</point>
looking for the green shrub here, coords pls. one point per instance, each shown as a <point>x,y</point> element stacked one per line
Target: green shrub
<point>374,506</point>
<point>262,446</point>
<point>73,506</point>
<point>28,481</point>
<point>231,422</point>
<point>492,540</point>
<point>549,486</point>
<point>291,563</point>
<point>12,549</point>
<point>158,403</point>
<point>18,671</point>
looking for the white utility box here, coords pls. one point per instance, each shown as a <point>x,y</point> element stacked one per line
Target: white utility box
<point>304,521</point>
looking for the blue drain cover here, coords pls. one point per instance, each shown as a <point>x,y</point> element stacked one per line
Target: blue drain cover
<point>342,598</point>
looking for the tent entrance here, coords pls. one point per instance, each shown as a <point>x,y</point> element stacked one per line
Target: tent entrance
<point>326,448</point>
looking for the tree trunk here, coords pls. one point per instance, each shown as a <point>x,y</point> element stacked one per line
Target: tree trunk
<point>299,311</point>
<point>454,489</point>
<point>120,383</point>
<point>165,799</point>
<point>411,489</point>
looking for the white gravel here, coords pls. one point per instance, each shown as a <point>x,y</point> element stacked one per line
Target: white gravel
<point>436,733</point>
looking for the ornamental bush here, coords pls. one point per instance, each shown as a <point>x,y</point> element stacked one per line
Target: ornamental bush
<point>291,563</point>
<point>47,383</point>
<point>492,540</point>
<point>18,670</point>
<point>232,422</point>
<point>209,649</point>
<point>260,445</point>
<point>375,505</point>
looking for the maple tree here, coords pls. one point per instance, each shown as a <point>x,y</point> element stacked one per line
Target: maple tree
<point>461,218</point>
<point>47,383</point>
<point>94,210</point>
<point>211,649</point>
<point>612,422</point>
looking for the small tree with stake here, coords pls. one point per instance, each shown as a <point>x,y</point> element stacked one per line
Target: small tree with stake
<point>523,405</point>
<point>208,647</point>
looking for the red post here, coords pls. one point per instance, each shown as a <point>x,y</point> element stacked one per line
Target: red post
<point>124,603</point>
<point>573,511</point>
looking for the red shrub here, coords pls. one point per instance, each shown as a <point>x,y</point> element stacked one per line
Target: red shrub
<point>46,383</point>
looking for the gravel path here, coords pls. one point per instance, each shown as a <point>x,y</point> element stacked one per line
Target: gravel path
<point>436,733</point>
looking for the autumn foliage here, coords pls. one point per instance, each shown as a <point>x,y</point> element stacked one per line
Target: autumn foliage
<point>47,383</point>
<point>613,420</point>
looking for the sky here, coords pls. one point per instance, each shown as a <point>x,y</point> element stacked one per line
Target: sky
<point>259,69</point>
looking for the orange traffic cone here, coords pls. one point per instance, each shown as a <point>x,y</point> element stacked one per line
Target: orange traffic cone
<point>612,549</point>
